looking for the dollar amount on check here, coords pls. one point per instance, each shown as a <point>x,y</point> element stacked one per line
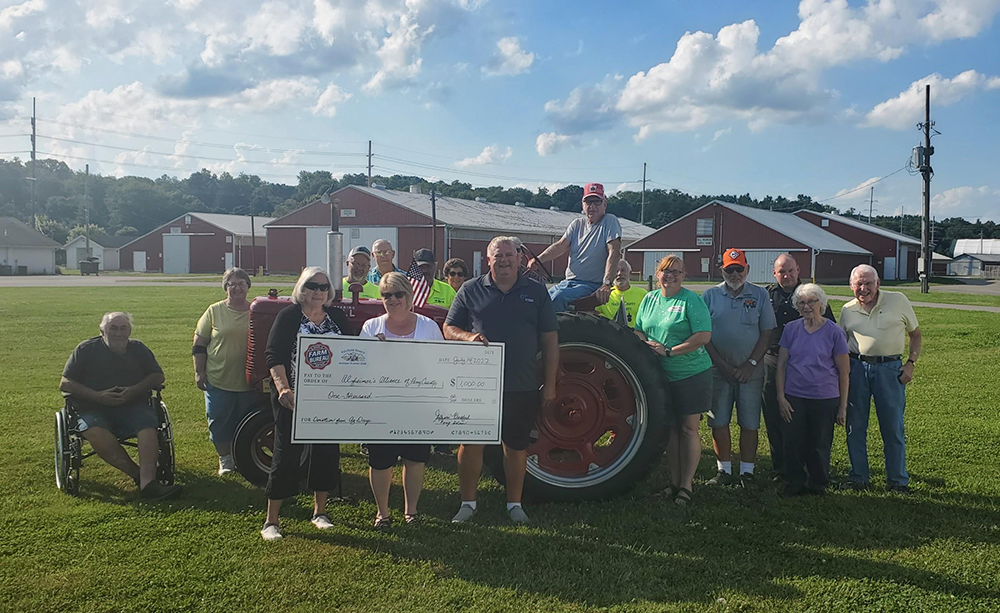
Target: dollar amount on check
<point>360,390</point>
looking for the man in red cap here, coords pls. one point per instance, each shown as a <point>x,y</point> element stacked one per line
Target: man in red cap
<point>594,243</point>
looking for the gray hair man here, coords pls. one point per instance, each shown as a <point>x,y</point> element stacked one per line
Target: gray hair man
<point>384,255</point>
<point>878,324</point>
<point>742,324</point>
<point>108,380</point>
<point>786,277</point>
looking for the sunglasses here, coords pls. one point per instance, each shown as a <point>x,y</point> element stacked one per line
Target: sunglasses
<point>733,269</point>
<point>456,273</point>
<point>396,295</point>
<point>316,287</point>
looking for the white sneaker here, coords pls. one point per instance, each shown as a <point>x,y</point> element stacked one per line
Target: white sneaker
<point>517,515</point>
<point>464,514</point>
<point>226,465</point>
<point>322,521</point>
<point>271,532</point>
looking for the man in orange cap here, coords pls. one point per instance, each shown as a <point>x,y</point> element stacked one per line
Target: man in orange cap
<point>742,324</point>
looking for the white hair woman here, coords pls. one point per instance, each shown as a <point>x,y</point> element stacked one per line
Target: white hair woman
<point>220,357</point>
<point>812,382</point>
<point>309,314</point>
<point>399,322</point>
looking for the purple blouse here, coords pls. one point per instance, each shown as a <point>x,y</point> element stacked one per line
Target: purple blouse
<point>812,371</point>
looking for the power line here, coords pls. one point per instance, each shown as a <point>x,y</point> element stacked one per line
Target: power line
<point>860,187</point>
<point>479,174</point>
<point>453,157</point>
<point>85,159</point>
<point>194,157</point>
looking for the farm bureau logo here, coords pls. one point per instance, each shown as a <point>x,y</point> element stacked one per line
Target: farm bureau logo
<point>353,357</point>
<point>318,356</point>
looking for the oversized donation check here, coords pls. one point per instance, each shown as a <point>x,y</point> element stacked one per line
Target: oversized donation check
<point>352,389</point>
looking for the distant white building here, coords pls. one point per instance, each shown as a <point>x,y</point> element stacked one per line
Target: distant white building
<point>24,250</point>
<point>103,247</point>
<point>983,246</point>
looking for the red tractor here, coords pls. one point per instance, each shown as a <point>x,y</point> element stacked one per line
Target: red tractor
<point>605,430</point>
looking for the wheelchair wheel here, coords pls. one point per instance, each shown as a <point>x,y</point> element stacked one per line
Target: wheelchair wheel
<point>66,465</point>
<point>165,438</point>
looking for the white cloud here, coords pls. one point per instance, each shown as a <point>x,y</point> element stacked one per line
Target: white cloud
<point>17,11</point>
<point>857,192</point>
<point>509,59</point>
<point>720,133</point>
<point>268,95</point>
<point>11,69</point>
<point>276,26</point>
<point>906,109</point>
<point>327,103</point>
<point>399,55</point>
<point>589,107</point>
<point>549,143</point>
<point>150,43</point>
<point>66,60</point>
<point>490,154</point>
<point>971,202</point>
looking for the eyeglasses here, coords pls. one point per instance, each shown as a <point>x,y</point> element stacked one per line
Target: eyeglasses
<point>733,270</point>
<point>316,287</point>
<point>802,303</point>
<point>672,273</point>
<point>396,295</point>
<point>381,253</point>
<point>456,273</point>
<point>238,285</point>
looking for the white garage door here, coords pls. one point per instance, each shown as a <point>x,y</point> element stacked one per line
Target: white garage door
<point>761,266</point>
<point>651,258</point>
<point>176,254</point>
<point>353,236</point>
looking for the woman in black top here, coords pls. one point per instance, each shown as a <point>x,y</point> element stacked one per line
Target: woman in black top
<point>307,315</point>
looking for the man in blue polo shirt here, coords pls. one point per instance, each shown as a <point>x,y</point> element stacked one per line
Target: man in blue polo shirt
<point>503,306</point>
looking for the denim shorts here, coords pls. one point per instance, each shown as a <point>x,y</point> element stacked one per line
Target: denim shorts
<point>225,410</point>
<point>124,421</point>
<point>746,396</point>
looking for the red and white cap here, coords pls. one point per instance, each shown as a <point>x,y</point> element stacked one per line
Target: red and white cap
<point>594,189</point>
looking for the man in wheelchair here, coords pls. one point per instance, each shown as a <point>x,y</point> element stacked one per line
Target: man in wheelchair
<point>108,380</point>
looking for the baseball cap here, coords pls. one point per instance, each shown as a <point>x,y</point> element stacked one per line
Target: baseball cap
<point>733,256</point>
<point>424,256</point>
<point>365,251</point>
<point>594,189</point>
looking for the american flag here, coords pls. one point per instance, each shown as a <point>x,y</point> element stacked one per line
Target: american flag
<point>421,290</point>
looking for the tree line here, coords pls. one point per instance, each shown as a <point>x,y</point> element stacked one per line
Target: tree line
<point>133,206</point>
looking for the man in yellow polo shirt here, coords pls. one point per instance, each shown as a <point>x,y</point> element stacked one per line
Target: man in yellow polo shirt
<point>632,294</point>
<point>877,324</point>
<point>358,264</point>
<point>442,294</point>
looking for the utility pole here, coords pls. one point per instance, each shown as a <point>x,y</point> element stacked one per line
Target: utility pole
<point>926,171</point>
<point>369,163</point>
<point>434,223</point>
<point>902,216</point>
<point>34,177</point>
<point>871,204</point>
<point>253,243</point>
<point>86,205</point>
<point>642,204</point>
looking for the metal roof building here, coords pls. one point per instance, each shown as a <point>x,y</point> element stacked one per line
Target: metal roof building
<point>894,255</point>
<point>701,236</point>
<point>24,250</point>
<point>464,228</point>
<point>978,246</point>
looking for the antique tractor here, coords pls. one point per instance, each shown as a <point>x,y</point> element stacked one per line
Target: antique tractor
<point>605,430</point>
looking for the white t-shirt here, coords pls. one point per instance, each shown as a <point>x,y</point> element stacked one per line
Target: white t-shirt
<point>426,330</point>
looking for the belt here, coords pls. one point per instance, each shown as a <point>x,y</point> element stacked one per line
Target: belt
<point>875,359</point>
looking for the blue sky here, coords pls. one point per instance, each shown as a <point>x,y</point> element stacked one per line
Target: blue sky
<point>781,98</point>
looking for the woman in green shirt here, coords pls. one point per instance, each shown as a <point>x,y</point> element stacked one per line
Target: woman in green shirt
<point>676,324</point>
<point>220,357</point>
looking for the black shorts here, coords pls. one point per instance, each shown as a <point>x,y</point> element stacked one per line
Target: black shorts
<point>384,455</point>
<point>520,411</point>
<point>690,396</point>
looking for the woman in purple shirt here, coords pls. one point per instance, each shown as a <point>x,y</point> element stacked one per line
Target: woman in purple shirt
<point>812,380</point>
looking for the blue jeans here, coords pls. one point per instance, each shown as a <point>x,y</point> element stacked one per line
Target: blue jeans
<point>568,290</point>
<point>225,410</point>
<point>881,382</point>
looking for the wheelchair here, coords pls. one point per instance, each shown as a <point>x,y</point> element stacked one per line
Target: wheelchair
<point>70,453</point>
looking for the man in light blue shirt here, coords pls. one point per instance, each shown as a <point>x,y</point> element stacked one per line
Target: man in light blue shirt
<point>742,324</point>
<point>594,243</point>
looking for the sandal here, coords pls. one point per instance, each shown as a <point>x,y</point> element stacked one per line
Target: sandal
<point>383,524</point>
<point>412,519</point>
<point>683,497</point>
<point>668,492</point>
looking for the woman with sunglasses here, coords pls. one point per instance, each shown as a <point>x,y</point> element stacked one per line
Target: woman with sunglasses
<point>308,314</point>
<point>456,272</point>
<point>676,324</point>
<point>812,380</point>
<point>399,321</point>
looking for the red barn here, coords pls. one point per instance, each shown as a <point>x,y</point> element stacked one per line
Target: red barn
<point>464,228</point>
<point>198,243</point>
<point>894,255</point>
<point>701,236</point>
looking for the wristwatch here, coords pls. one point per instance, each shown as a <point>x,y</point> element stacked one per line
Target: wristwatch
<point>752,361</point>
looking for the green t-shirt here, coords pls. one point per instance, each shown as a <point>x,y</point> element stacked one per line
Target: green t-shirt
<point>671,321</point>
<point>633,297</point>
<point>226,331</point>
<point>370,290</point>
<point>441,294</point>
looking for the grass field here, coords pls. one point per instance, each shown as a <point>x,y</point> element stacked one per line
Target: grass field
<point>733,550</point>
